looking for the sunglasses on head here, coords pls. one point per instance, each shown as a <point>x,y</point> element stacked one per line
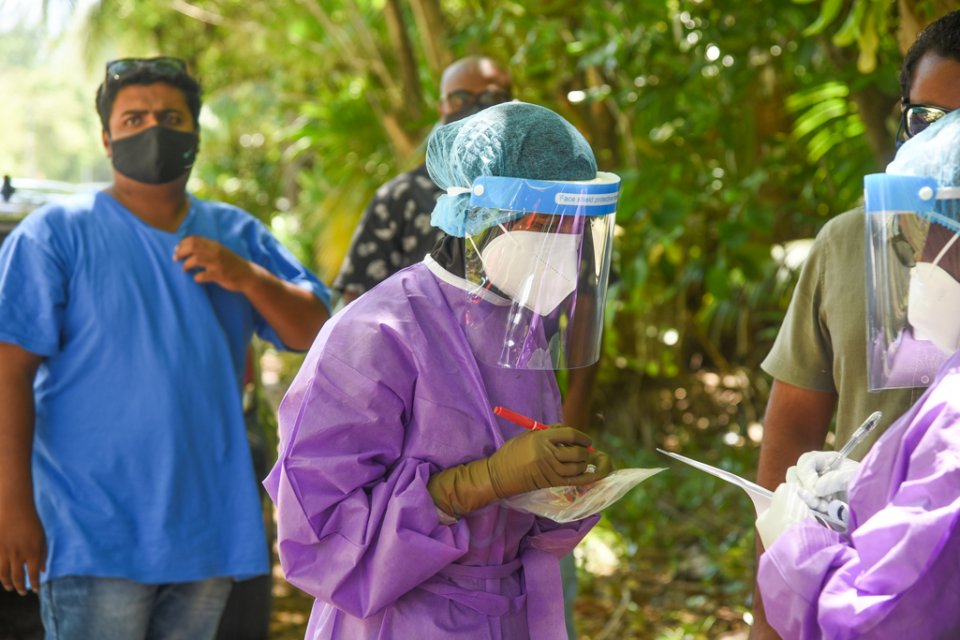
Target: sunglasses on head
<point>161,66</point>
<point>461,98</point>
<point>914,118</point>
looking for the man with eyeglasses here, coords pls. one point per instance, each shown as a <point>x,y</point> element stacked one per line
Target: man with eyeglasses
<point>394,231</point>
<point>819,359</point>
<point>127,495</point>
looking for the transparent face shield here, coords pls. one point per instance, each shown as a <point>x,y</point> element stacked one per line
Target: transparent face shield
<point>537,257</point>
<point>913,279</point>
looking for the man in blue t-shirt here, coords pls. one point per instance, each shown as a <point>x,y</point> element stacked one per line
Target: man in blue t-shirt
<point>127,496</point>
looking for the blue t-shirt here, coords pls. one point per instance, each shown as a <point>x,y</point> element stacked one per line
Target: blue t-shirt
<point>141,465</point>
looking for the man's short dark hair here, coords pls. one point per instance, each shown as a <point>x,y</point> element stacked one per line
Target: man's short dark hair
<point>941,37</point>
<point>108,89</point>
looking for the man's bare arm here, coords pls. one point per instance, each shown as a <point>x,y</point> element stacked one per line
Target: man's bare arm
<point>22,539</point>
<point>295,313</point>
<point>797,420</point>
<point>576,406</point>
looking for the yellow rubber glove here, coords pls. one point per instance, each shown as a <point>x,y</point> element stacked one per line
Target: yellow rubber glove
<point>553,457</point>
<point>601,465</point>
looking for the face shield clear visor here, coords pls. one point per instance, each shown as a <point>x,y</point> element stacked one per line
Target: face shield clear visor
<point>913,279</point>
<point>537,263</point>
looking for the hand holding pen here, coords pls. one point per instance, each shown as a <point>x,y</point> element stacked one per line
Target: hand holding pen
<point>823,476</point>
<point>819,471</point>
<point>523,421</point>
<point>542,458</point>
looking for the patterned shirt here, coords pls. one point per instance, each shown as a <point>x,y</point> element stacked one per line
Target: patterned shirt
<point>393,233</point>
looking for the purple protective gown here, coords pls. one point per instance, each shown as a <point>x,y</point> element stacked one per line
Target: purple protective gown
<point>390,393</point>
<point>899,575</point>
<point>911,362</point>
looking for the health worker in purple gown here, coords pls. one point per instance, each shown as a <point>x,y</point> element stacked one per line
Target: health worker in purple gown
<point>894,572</point>
<point>392,464</point>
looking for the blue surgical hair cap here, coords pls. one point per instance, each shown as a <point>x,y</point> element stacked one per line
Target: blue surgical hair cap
<point>513,139</point>
<point>935,153</point>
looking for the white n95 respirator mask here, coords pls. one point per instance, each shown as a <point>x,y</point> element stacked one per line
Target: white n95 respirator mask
<point>933,308</point>
<point>537,270</point>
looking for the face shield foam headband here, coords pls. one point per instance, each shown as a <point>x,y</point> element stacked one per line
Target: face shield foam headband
<point>495,199</point>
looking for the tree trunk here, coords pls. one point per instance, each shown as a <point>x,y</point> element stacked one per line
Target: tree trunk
<point>875,108</point>
<point>911,23</point>
<point>406,63</point>
<point>402,143</point>
<point>909,26</point>
<point>362,55</point>
<point>603,125</point>
<point>433,33</point>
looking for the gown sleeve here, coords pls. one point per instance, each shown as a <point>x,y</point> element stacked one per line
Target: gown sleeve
<point>357,527</point>
<point>820,585</point>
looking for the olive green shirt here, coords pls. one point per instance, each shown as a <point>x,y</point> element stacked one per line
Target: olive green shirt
<point>822,344</point>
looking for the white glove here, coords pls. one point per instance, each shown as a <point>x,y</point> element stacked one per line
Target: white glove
<point>819,488</point>
<point>786,509</point>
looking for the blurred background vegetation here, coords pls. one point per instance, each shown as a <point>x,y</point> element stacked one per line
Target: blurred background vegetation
<point>739,127</point>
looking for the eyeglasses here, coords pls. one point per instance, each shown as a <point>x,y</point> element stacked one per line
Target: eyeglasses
<point>548,223</point>
<point>914,118</point>
<point>463,99</point>
<point>161,66</point>
<point>903,250</point>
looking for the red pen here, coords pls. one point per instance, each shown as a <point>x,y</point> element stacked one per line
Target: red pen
<point>516,418</point>
<point>522,420</point>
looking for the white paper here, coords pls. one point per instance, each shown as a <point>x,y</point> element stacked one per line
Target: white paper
<point>761,497</point>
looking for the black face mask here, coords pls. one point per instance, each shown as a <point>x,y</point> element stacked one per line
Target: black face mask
<point>463,113</point>
<point>156,155</point>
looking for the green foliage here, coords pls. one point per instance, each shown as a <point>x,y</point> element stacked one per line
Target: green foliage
<point>863,25</point>
<point>51,130</point>
<point>683,539</point>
